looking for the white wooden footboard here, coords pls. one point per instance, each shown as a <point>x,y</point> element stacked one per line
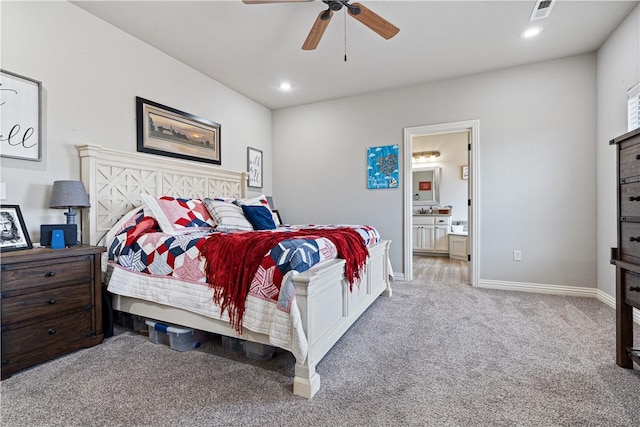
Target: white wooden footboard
<point>317,291</point>
<point>323,320</point>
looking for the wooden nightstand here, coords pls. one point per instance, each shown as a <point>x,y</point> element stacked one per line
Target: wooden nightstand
<point>51,304</point>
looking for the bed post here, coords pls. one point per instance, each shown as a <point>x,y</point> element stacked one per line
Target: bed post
<point>306,383</point>
<point>88,220</point>
<point>329,306</point>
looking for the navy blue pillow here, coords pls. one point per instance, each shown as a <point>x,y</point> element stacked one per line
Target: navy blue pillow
<point>259,217</point>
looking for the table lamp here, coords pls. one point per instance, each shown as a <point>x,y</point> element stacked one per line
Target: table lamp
<point>69,195</point>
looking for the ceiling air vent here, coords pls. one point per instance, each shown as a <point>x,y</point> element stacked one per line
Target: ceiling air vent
<point>542,9</point>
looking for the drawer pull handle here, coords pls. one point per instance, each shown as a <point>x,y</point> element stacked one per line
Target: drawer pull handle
<point>637,156</point>
<point>50,274</point>
<point>634,199</point>
<point>51,331</point>
<point>634,239</point>
<point>51,301</point>
<point>634,288</point>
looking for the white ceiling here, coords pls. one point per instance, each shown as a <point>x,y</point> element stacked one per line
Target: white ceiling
<point>252,48</point>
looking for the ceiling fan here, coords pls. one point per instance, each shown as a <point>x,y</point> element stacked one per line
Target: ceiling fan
<point>369,18</point>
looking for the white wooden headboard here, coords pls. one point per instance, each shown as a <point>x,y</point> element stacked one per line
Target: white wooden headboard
<point>115,179</point>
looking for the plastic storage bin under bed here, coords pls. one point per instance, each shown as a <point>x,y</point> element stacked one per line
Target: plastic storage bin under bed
<point>177,337</point>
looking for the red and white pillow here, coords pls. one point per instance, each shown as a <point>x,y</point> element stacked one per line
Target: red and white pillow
<point>260,200</point>
<point>179,215</point>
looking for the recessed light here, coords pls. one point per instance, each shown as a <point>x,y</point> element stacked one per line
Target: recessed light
<point>531,32</point>
<point>285,86</point>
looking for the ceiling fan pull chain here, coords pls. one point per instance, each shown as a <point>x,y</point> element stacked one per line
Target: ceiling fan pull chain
<point>345,35</point>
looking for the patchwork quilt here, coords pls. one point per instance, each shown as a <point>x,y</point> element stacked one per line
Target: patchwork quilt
<point>139,247</point>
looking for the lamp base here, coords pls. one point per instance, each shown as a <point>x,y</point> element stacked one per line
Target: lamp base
<point>71,216</point>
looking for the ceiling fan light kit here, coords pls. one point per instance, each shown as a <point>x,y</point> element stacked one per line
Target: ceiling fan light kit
<point>361,13</point>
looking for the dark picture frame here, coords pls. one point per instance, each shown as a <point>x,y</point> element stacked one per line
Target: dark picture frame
<point>21,108</point>
<point>166,131</point>
<point>276,212</point>
<point>13,233</point>
<point>254,167</point>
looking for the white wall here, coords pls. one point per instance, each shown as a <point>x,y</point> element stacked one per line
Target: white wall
<point>91,73</point>
<point>536,176</point>
<point>618,70</point>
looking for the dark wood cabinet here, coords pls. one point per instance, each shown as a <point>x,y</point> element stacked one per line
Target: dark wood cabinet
<point>51,304</point>
<point>626,257</point>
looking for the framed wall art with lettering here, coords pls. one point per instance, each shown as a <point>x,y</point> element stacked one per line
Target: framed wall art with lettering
<point>20,108</point>
<point>254,167</point>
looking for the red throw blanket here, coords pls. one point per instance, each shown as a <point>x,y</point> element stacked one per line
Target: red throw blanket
<point>233,259</point>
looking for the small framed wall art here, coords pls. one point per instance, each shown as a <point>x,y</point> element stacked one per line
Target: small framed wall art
<point>169,132</point>
<point>13,233</point>
<point>20,135</point>
<point>382,167</point>
<point>254,167</point>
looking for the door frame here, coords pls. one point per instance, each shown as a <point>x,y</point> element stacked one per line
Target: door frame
<point>473,126</point>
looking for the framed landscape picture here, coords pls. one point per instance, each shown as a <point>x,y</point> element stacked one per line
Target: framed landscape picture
<point>169,132</point>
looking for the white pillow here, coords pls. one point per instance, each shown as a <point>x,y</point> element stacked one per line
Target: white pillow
<point>260,200</point>
<point>228,216</point>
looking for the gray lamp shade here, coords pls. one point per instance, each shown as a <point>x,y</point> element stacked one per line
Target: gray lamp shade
<point>69,194</point>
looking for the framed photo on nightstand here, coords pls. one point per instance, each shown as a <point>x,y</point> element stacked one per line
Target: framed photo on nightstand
<point>13,233</point>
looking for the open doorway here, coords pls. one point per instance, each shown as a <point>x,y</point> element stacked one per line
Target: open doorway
<point>414,135</point>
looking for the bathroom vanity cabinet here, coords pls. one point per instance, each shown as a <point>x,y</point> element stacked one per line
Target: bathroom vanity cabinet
<point>431,233</point>
<point>458,246</point>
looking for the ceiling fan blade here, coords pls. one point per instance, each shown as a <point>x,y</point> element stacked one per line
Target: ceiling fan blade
<point>374,21</point>
<point>272,1</point>
<point>317,30</point>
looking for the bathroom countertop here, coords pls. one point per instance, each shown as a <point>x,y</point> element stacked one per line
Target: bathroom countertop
<point>431,214</point>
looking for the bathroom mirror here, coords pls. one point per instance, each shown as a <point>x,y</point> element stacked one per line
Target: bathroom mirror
<point>426,186</point>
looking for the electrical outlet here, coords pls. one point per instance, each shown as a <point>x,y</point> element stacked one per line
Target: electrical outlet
<point>517,255</point>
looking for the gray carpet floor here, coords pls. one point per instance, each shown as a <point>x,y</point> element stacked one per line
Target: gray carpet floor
<point>431,355</point>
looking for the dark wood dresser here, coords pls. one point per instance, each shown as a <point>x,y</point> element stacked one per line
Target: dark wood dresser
<point>626,257</point>
<point>51,304</point>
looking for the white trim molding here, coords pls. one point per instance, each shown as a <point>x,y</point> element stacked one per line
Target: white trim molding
<point>539,288</point>
<point>611,302</point>
<point>473,126</point>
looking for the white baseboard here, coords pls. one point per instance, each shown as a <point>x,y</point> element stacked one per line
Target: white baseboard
<point>555,290</point>
<point>398,276</point>
<point>611,302</point>
<point>538,288</point>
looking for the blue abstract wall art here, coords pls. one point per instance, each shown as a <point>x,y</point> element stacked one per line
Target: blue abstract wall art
<point>382,167</point>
